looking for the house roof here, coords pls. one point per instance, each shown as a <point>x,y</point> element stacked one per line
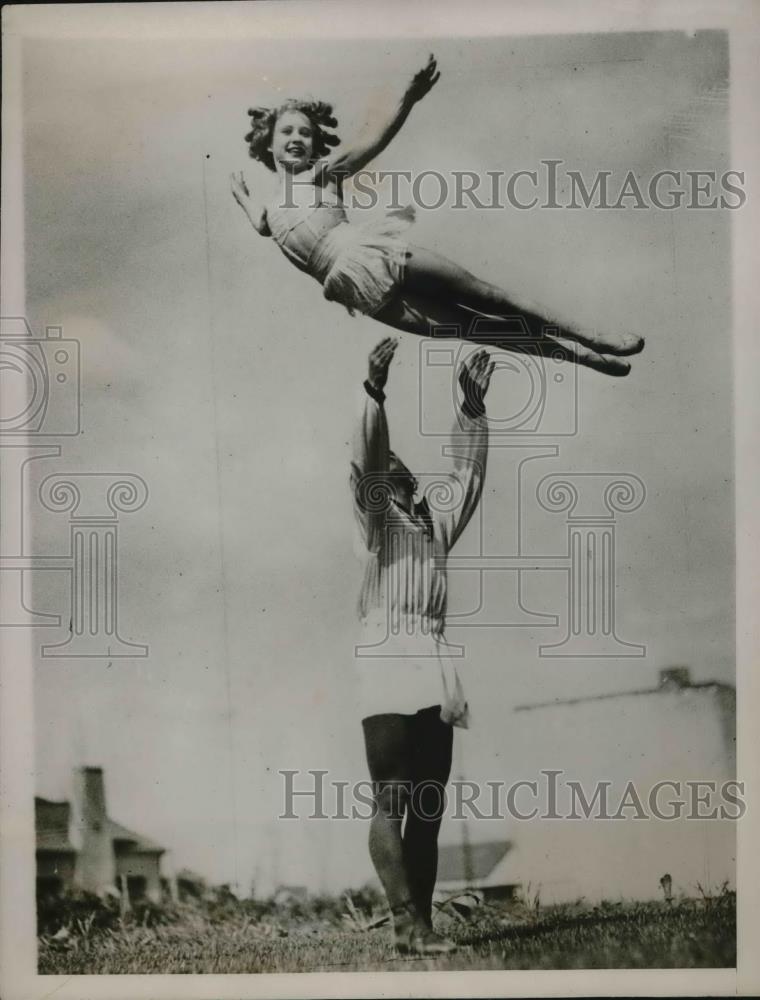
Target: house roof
<point>715,686</point>
<point>51,820</point>
<point>483,858</point>
<point>188,875</point>
<point>136,841</point>
<point>52,829</point>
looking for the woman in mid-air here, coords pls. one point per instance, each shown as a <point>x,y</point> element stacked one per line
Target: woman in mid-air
<point>371,267</point>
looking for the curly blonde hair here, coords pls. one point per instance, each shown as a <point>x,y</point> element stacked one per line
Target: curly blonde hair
<point>263,121</point>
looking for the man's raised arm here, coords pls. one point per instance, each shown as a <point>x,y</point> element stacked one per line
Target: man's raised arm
<point>471,443</point>
<point>371,447</point>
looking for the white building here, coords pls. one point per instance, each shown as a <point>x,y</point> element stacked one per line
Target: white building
<point>485,867</point>
<point>677,731</point>
<point>80,847</point>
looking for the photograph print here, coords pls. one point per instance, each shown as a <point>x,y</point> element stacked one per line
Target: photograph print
<point>373,487</point>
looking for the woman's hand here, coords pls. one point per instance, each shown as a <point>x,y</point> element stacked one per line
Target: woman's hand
<point>239,189</point>
<point>349,161</point>
<point>257,214</point>
<point>423,82</point>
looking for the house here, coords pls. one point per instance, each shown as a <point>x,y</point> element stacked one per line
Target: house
<point>290,895</point>
<point>189,885</point>
<point>674,731</point>
<point>483,867</point>
<point>78,846</point>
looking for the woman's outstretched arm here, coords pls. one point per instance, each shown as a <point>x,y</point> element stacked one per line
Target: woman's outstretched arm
<point>343,164</point>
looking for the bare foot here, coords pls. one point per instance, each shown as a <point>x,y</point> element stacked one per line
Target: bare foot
<point>607,343</point>
<point>622,343</point>
<point>572,350</point>
<point>607,364</point>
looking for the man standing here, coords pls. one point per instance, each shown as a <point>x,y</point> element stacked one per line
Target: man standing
<point>410,693</point>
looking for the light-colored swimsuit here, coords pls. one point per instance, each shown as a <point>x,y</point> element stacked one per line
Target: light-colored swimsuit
<point>360,266</point>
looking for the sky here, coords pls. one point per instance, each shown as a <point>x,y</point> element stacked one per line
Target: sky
<point>218,373</point>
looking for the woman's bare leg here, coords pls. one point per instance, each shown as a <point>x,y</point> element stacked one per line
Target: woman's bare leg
<point>434,276</point>
<point>426,317</point>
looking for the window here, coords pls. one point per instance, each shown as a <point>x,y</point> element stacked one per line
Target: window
<point>49,886</point>
<point>136,886</point>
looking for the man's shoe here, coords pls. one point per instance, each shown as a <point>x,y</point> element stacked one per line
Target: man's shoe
<point>426,942</point>
<point>406,923</point>
<point>412,935</point>
<point>418,940</point>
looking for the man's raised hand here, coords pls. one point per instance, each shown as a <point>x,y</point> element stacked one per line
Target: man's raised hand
<point>379,359</point>
<point>474,379</point>
<point>423,81</point>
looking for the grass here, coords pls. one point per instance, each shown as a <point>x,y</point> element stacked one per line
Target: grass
<point>687,933</point>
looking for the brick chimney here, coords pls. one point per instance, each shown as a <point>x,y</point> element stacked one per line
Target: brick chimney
<point>674,678</point>
<point>95,868</point>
